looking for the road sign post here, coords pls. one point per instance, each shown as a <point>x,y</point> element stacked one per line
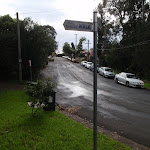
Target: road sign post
<point>89,27</point>
<point>19,49</point>
<point>95,79</point>
<point>30,70</point>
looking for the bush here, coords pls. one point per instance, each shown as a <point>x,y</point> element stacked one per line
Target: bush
<point>39,93</point>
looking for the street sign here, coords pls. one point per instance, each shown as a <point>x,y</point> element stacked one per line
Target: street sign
<point>29,63</point>
<point>78,25</point>
<point>89,27</point>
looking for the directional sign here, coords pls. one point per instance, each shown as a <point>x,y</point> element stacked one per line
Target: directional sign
<point>78,25</point>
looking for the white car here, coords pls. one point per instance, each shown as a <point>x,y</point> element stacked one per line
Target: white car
<point>88,64</point>
<point>128,79</point>
<point>106,72</point>
<point>92,67</point>
<point>83,63</point>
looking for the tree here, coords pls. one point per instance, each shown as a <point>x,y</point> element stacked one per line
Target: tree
<point>37,42</point>
<point>73,49</point>
<point>8,45</point>
<point>80,46</point>
<point>73,46</point>
<point>131,24</point>
<point>67,49</point>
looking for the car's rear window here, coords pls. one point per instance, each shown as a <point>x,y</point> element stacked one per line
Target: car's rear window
<point>131,76</point>
<point>108,69</point>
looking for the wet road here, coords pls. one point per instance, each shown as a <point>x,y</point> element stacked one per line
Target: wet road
<point>120,109</point>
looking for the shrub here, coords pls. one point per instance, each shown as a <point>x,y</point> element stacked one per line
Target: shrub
<point>39,93</point>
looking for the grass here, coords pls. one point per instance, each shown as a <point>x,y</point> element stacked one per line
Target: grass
<point>147,85</point>
<point>20,130</point>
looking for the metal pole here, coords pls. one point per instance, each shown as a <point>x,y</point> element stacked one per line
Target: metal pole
<point>76,40</point>
<point>19,50</point>
<point>143,10</point>
<point>31,74</point>
<point>75,45</point>
<point>88,50</point>
<point>95,79</point>
<point>30,70</point>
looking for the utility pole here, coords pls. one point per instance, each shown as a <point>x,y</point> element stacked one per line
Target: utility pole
<point>19,50</point>
<point>143,10</point>
<point>76,44</point>
<point>76,39</point>
<point>88,49</point>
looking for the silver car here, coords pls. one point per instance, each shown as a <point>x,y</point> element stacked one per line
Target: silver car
<point>83,63</point>
<point>88,64</point>
<point>129,79</point>
<point>92,67</point>
<point>106,72</point>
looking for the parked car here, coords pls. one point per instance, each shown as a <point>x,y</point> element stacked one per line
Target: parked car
<point>83,63</point>
<point>75,60</point>
<point>64,56</point>
<point>129,79</point>
<point>92,67</point>
<point>106,72</point>
<point>88,64</point>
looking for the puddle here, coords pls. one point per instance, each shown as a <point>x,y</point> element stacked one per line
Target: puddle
<point>77,89</point>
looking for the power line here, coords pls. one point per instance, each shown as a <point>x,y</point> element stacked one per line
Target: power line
<point>129,46</point>
<point>42,11</point>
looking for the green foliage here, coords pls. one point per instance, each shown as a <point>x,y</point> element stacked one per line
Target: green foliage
<point>80,46</point>
<point>8,45</point>
<point>47,131</point>
<point>39,92</point>
<point>67,49</point>
<point>147,85</point>
<point>73,46</point>
<point>131,53</point>
<point>37,43</point>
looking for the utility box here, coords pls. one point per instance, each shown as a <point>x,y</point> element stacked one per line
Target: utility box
<point>51,103</point>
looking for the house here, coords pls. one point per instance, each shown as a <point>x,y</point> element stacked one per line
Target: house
<point>88,54</point>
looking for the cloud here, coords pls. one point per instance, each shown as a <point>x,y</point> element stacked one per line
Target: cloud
<point>54,13</point>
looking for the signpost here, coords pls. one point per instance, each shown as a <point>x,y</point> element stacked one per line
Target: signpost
<point>95,79</point>
<point>19,49</point>
<point>78,25</point>
<point>89,27</point>
<point>30,70</point>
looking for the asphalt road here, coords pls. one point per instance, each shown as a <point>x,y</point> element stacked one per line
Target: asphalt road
<point>120,109</point>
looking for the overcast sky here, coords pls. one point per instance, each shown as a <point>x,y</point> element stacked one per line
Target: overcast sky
<point>54,13</point>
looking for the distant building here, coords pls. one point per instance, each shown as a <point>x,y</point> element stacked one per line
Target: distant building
<point>88,54</point>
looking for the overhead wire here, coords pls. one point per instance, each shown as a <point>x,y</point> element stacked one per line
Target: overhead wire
<point>129,46</point>
<point>43,11</point>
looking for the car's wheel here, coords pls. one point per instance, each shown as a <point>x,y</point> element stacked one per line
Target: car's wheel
<point>116,80</point>
<point>127,83</point>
